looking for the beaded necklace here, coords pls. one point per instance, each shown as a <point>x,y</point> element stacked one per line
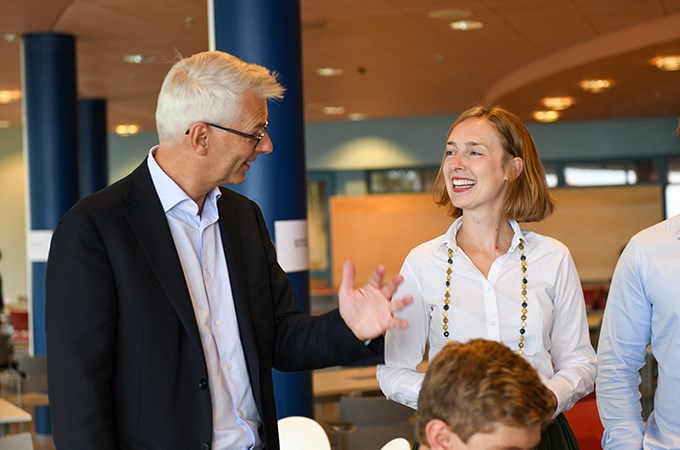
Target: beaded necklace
<point>447,296</point>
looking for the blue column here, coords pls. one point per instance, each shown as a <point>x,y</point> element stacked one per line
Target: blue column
<point>49,83</point>
<point>267,32</point>
<point>92,149</point>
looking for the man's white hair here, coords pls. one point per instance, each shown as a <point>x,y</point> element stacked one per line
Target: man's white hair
<point>208,87</point>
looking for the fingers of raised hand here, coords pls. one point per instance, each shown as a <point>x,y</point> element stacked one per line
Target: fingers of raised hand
<point>398,305</point>
<point>377,277</point>
<point>389,289</point>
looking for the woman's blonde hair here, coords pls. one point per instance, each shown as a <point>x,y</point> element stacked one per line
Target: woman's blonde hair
<point>528,198</point>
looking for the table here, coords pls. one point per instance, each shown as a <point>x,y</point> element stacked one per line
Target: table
<point>337,381</point>
<point>328,385</point>
<point>10,413</point>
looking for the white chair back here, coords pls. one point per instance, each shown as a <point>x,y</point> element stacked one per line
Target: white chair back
<point>397,444</point>
<point>20,441</point>
<point>302,433</point>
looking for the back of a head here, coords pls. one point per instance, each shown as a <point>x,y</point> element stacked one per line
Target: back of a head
<point>475,386</point>
<point>208,87</point>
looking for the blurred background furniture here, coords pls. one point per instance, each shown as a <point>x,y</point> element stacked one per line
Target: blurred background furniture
<point>585,422</point>
<point>20,441</point>
<point>31,383</point>
<point>302,433</point>
<point>10,413</point>
<point>397,444</point>
<point>373,421</point>
<point>5,350</point>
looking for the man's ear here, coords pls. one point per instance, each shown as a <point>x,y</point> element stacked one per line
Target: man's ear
<point>438,434</point>
<point>198,136</point>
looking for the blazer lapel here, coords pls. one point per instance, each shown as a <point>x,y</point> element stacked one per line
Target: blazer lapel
<point>231,241</point>
<point>147,220</point>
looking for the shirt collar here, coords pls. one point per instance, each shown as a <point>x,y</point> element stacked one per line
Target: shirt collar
<point>169,193</point>
<point>449,238</point>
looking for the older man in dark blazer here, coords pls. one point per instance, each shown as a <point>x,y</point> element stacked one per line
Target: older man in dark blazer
<point>166,307</point>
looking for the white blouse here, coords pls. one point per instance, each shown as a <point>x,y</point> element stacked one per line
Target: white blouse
<point>557,341</point>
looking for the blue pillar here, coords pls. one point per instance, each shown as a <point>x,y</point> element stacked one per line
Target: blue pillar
<point>49,83</point>
<point>267,32</point>
<point>92,149</point>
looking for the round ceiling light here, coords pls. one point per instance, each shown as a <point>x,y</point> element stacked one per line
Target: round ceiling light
<point>557,103</point>
<point>595,86</point>
<point>546,116</point>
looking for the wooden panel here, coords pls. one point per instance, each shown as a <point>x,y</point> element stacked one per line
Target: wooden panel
<point>595,223</point>
<point>381,229</point>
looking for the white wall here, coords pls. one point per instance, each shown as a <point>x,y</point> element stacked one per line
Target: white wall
<point>12,214</point>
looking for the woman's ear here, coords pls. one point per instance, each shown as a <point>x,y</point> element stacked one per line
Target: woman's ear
<point>439,436</point>
<point>515,168</point>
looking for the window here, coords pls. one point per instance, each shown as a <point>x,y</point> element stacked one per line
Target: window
<point>673,188</point>
<point>610,173</point>
<point>401,180</point>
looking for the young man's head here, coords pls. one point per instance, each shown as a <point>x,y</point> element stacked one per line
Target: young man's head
<point>481,395</point>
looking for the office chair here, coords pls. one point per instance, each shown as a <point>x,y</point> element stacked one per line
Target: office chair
<point>302,433</point>
<point>374,421</point>
<point>32,386</point>
<point>20,441</point>
<point>585,422</point>
<point>397,444</point>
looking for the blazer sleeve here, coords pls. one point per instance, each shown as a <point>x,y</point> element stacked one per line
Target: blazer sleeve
<point>303,342</point>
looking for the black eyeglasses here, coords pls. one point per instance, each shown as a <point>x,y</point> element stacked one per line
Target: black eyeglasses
<point>257,138</point>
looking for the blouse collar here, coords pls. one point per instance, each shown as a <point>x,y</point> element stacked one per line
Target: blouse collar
<point>449,238</point>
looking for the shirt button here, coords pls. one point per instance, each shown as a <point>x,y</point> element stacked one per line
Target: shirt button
<point>230,366</point>
<point>218,322</point>
<point>205,446</point>
<point>240,413</point>
<point>203,383</point>
<point>493,323</point>
<point>206,275</point>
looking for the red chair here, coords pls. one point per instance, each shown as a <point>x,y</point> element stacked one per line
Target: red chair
<point>585,421</point>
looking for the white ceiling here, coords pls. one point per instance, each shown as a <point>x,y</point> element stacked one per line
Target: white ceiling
<point>397,61</point>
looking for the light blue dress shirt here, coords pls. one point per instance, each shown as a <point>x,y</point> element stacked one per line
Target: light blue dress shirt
<point>199,247</point>
<point>643,308</point>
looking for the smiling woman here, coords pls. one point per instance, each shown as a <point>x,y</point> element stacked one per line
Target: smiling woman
<point>486,277</point>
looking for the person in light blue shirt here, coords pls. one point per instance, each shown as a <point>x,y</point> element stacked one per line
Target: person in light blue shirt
<point>643,308</point>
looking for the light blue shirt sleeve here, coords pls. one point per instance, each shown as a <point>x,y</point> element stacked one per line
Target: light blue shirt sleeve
<point>643,308</point>
<point>622,347</point>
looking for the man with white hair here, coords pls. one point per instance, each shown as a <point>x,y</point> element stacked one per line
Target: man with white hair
<point>166,308</point>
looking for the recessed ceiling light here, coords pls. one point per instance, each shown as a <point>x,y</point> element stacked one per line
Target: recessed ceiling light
<point>450,14</point>
<point>9,96</point>
<point>546,116</point>
<point>11,37</point>
<point>330,71</point>
<point>333,110</point>
<point>557,103</point>
<point>355,117</point>
<point>137,58</point>
<point>595,86</point>
<point>669,63</point>
<point>466,25</point>
<point>127,129</point>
